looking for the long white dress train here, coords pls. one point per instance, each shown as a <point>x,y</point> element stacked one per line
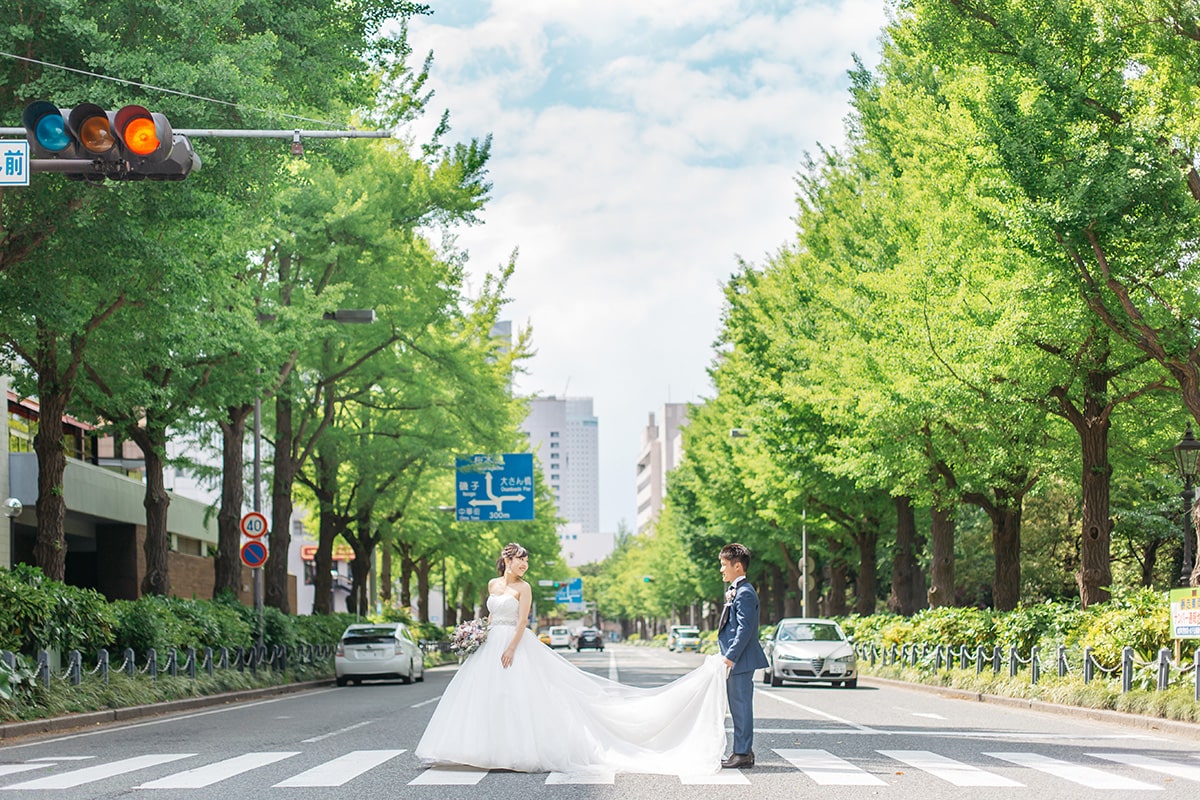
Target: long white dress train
<point>543,714</point>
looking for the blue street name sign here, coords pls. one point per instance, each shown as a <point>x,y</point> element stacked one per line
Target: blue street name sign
<point>490,488</point>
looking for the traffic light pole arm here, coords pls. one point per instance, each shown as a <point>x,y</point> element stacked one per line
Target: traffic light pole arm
<point>68,165</point>
<point>232,133</point>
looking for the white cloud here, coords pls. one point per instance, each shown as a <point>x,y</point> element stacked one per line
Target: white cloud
<point>639,148</point>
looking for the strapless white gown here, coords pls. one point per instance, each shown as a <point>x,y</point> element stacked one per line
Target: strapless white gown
<point>543,714</point>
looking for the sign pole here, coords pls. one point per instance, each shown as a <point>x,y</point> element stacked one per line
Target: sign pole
<point>257,572</point>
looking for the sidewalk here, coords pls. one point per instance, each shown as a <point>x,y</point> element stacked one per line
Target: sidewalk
<point>1191,729</point>
<point>13,730</point>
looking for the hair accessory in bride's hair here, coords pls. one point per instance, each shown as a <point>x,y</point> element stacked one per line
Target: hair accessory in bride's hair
<point>467,638</point>
<point>511,550</point>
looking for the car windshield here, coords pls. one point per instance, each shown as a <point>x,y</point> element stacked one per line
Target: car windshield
<point>687,632</point>
<point>808,632</point>
<point>369,636</point>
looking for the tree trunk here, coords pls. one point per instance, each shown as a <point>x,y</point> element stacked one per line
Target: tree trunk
<point>422,569</point>
<point>50,547</point>
<point>275,582</point>
<point>323,564</point>
<point>779,591</point>
<point>331,524</point>
<point>941,568</point>
<point>385,575</point>
<point>904,560</point>
<point>152,441</point>
<point>835,602</point>
<point>1006,549</point>
<point>227,564</point>
<point>407,567</point>
<point>1092,425</point>
<point>1148,560</point>
<point>866,585</point>
<point>918,590</point>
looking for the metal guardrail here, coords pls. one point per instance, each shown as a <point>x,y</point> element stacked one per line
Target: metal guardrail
<point>275,658</point>
<point>943,657</point>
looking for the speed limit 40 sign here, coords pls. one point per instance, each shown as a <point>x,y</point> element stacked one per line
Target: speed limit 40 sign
<point>254,525</point>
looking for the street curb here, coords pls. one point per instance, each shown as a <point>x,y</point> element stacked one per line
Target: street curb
<point>1191,729</point>
<point>14,730</point>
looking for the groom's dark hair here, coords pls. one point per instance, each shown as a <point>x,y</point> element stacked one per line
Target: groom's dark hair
<point>736,552</point>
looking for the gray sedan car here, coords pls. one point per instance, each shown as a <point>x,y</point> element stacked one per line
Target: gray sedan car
<point>806,650</point>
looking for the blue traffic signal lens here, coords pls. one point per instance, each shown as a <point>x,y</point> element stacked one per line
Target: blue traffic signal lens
<point>51,132</point>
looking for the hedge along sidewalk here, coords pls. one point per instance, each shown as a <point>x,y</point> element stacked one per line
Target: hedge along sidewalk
<point>1144,721</point>
<point>71,722</point>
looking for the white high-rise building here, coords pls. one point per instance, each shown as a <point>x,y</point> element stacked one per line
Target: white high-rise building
<point>564,435</point>
<point>661,452</point>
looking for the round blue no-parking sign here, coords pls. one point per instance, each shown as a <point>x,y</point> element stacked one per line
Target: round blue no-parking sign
<point>254,554</point>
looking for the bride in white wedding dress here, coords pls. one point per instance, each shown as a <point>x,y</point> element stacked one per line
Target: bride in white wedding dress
<point>516,704</point>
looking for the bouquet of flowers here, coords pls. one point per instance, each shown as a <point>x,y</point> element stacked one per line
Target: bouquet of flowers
<point>467,637</point>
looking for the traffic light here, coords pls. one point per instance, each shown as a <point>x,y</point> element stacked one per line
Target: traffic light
<point>129,144</point>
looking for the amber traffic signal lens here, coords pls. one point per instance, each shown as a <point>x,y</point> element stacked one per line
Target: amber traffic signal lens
<point>141,137</point>
<point>95,134</point>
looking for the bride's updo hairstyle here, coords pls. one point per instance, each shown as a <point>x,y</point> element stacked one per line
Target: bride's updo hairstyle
<point>511,550</point>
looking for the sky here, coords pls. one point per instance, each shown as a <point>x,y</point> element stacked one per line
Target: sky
<point>640,149</point>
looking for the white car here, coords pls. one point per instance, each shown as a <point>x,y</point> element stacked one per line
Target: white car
<point>560,636</point>
<point>378,651</point>
<point>806,649</point>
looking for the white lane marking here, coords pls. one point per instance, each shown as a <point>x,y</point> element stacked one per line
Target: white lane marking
<point>78,777</point>
<point>1185,771</point>
<point>728,777</point>
<point>13,769</point>
<point>581,778</point>
<point>107,729</point>
<point>62,758</point>
<point>341,769</point>
<point>426,702</point>
<point>927,715</point>
<point>449,776</point>
<point>209,774</point>
<point>814,711</point>
<point>612,666</point>
<point>337,732</point>
<point>1075,773</point>
<point>954,772</point>
<point>827,769</point>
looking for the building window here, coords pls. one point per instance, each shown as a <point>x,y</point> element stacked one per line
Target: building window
<point>553,434</point>
<point>554,445</point>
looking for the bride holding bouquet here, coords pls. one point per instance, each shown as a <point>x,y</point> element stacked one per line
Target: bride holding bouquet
<point>516,704</point>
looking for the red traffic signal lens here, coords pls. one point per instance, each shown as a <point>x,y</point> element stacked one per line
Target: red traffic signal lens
<point>141,137</point>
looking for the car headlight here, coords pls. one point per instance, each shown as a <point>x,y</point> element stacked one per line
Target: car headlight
<point>848,660</point>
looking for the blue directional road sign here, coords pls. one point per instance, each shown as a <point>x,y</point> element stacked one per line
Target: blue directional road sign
<point>491,488</point>
<point>570,592</point>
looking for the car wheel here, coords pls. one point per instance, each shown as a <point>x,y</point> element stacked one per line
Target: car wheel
<point>767,675</point>
<point>850,684</point>
<point>421,674</point>
<point>409,677</point>
<point>342,681</point>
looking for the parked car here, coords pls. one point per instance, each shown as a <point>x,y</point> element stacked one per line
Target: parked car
<point>560,636</point>
<point>806,649</point>
<point>372,652</point>
<point>589,638</point>
<point>683,637</point>
<point>544,636</point>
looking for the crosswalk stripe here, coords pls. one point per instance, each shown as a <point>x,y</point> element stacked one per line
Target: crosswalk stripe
<point>1185,771</point>
<point>341,769</point>
<point>1075,773</point>
<point>581,778</point>
<point>67,780</point>
<point>949,770</point>
<point>209,774</point>
<point>827,769</point>
<point>449,776</point>
<point>13,769</point>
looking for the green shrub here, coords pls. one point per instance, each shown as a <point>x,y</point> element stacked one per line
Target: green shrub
<point>43,614</point>
<point>954,626</point>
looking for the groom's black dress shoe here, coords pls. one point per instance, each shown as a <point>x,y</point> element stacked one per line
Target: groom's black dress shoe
<point>739,761</point>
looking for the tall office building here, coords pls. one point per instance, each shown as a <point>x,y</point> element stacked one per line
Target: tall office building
<point>661,452</point>
<point>564,435</point>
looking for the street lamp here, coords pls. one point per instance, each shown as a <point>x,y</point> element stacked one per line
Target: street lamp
<point>1187,454</point>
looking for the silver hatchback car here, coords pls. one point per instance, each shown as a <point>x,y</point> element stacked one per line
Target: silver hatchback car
<point>806,649</point>
<point>378,651</point>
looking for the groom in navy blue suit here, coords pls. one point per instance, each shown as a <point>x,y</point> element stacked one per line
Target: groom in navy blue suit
<point>737,636</point>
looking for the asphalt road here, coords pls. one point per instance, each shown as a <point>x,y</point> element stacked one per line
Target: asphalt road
<point>810,741</point>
